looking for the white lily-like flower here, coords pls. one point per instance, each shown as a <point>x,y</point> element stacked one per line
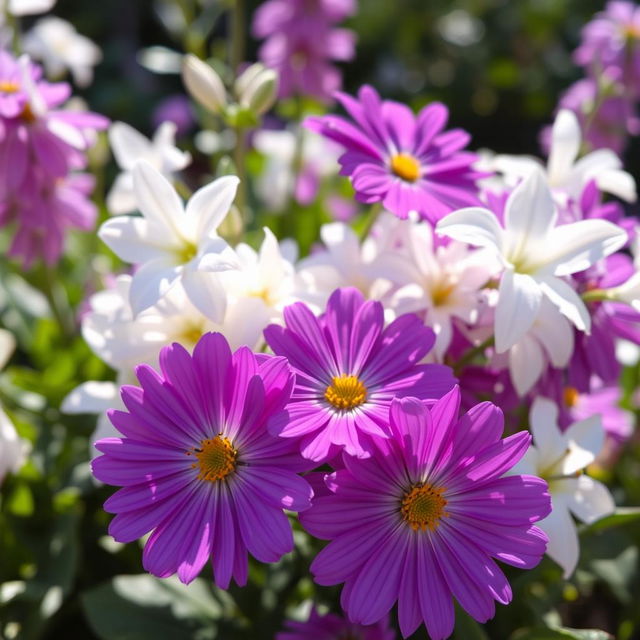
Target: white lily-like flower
<point>59,46</point>
<point>129,146</point>
<point>559,457</point>
<point>445,282</point>
<point>173,244</point>
<point>566,174</point>
<point>536,254</point>
<point>550,339</point>
<point>26,7</point>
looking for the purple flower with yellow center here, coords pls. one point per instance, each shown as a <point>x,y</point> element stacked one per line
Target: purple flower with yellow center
<point>348,369</point>
<point>421,521</point>
<point>332,627</point>
<point>407,162</point>
<point>197,465</point>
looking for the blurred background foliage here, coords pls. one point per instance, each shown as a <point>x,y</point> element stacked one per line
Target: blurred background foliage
<point>500,66</point>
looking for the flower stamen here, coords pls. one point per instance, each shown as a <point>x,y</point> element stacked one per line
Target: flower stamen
<point>8,86</point>
<point>405,166</point>
<point>346,392</point>
<point>423,507</point>
<point>216,458</point>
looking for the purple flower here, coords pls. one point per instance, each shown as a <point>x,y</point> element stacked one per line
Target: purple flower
<point>331,627</point>
<point>348,369</point>
<point>407,162</point>
<point>302,43</point>
<point>422,519</point>
<point>197,465</point>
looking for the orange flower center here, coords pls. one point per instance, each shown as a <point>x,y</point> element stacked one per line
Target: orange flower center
<point>571,396</point>
<point>346,392</point>
<point>423,507</point>
<point>405,166</point>
<point>8,86</point>
<point>216,458</point>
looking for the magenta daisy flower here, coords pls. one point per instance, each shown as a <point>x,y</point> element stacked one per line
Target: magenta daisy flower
<point>197,465</point>
<point>331,627</point>
<point>348,369</point>
<point>407,162</point>
<point>422,519</point>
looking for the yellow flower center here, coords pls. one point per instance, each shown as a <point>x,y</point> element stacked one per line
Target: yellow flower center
<point>405,166</point>
<point>441,291</point>
<point>190,334</point>
<point>345,392</point>
<point>571,396</point>
<point>423,507</point>
<point>8,86</point>
<point>216,458</point>
<point>632,32</point>
<point>186,252</point>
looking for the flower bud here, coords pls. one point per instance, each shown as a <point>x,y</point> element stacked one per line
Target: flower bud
<point>204,84</point>
<point>257,88</point>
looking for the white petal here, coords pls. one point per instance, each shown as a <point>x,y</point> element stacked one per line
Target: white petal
<point>67,133</point>
<point>127,144</point>
<point>518,304</point>
<point>7,346</point>
<point>618,183</point>
<point>152,281</point>
<point>563,545</point>
<point>575,247</point>
<point>565,145</point>
<point>589,499</point>
<point>547,437</point>
<point>208,206</point>
<point>569,303</point>
<point>91,397</point>
<point>270,262</point>
<point>215,255</point>
<point>135,240</point>
<point>585,440</point>
<point>529,212</point>
<point>206,293</point>
<point>475,226</point>
<point>555,333</point>
<point>30,7</point>
<point>157,199</point>
<point>121,198</point>
<point>526,364</point>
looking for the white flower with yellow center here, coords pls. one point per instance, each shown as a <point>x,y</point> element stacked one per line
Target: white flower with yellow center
<point>535,254</point>
<point>559,458</point>
<point>173,244</point>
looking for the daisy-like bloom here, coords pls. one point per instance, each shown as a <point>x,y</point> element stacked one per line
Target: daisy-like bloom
<point>422,519</point>
<point>173,244</point>
<point>197,465</point>
<point>560,457</point>
<point>407,162</point>
<point>129,146</point>
<point>348,369</point>
<point>332,627</point>
<point>536,254</point>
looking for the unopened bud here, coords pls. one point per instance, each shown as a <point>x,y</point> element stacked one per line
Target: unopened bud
<point>204,84</point>
<point>257,88</point>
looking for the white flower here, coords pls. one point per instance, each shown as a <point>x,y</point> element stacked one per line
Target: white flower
<point>173,244</point>
<point>535,254</point>
<point>203,83</point>
<point>566,175</point>
<point>559,457</point>
<point>319,158</point>
<point>129,146</point>
<point>26,7</point>
<point>60,47</point>
<point>628,292</point>
<point>444,281</point>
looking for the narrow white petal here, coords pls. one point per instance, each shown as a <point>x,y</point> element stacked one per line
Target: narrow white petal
<point>135,240</point>
<point>529,213</point>
<point>121,198</point>
<point>518,304</point>
<point>526,364</point>
<point>575,247</point>
<point>569,303</point>
<point>618,183</point>
<point>67,133</point>
<point>157,199</point>
<point>127,144</point>
<point>555,333</point>
<point>270,263</point>
<point>585,440</point>
<point>7,346</point>
<point>565,145</point>
<point>547,437</point>
<point>208,206</point>
<point>206,293</point>
<point>475,226</point>
<point>563,545</point>
<point>151,282</point>
<point>215,255</point>
<point>588,499</point>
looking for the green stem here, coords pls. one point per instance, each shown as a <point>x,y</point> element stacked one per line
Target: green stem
<point>58,303</point>
<point>241,171</point>
<point>370,220</point>
<point>236,49</point>
<point>297,161</point>
<point>470,355</point>
<point>597,295</point>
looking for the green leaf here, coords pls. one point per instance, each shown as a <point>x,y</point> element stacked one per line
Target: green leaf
<point>561,633</point>
<point>467,628</point>
<point>145,608</point>
<point>622,515</point>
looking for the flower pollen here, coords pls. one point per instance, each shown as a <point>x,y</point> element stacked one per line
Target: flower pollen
<point>8,86</point>
<point>405,166</point>
<point>423,507</point>
<point>216,458</point>
<point>571,396</point>
<point>346,392</point>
